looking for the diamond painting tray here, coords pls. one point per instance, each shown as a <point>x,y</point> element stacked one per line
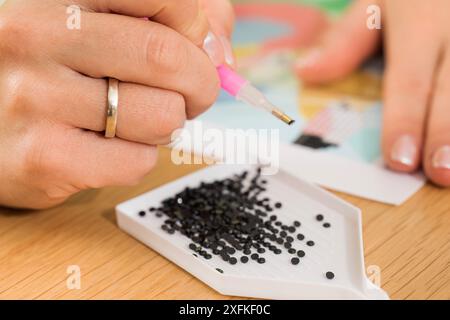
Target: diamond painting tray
<point>337,249</point>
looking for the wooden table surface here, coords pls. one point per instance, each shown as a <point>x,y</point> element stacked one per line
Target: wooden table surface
<point>410,244</point>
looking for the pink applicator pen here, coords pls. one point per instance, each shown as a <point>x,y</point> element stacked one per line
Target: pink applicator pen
<point>244,91</point>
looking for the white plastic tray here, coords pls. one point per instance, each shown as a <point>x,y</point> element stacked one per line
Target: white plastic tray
<point>338,249</point>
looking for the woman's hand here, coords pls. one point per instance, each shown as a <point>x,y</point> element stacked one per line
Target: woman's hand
<point>417,81</point>
<point>53,94</point>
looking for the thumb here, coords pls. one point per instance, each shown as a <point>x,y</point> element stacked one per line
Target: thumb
<point>343,48</point>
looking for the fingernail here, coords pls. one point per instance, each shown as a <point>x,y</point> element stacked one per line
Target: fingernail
<point>441,158</point>
<point>228,51</point>
<point>213,48</point>
<point>404,150</point>
<point>309,59</point>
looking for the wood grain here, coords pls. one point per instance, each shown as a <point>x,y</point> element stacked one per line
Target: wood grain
<point>409,243</point>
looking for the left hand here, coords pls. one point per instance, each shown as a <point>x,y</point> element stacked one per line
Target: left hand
<point>416,124</point>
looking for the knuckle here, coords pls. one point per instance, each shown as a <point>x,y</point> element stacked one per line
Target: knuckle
<point>14,98</point>
<point>8,31</point>
<point>419,86</point>
<point>165,52</point>
<point>16,35</point>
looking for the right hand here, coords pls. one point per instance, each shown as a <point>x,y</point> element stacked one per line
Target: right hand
<point>53,92</point>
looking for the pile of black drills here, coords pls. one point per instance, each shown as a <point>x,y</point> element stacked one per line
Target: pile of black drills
<point>231,218</point>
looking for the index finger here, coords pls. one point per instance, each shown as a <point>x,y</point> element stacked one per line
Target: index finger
<point>184,16</point>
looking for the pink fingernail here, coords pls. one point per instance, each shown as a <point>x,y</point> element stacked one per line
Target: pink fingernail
<point>228,51</point>
<point>213,48</point>
<point>404,150</point>
<point>441,158</point>
<point>309,59</point>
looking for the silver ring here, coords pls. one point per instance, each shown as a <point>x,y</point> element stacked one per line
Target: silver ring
<point>113,104</point>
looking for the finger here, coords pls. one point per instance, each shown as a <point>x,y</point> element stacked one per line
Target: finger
<point>344,47</point>
<point>138,51</point>
<point>220,15</point>
<point>408,81</point>
<point>145,114</point>
<point>437,145</point>
<point>184,16</point>
<point>88,160</point>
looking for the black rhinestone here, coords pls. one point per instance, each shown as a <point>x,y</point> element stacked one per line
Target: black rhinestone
<point>301,253</point>
<point>244,259</point>
<point>288,245</point>
<point>261,260</point>
<point>310,243</point>
<point>291,251</point>
<point>326,225</point>
<point>297,224</point>
<point>319,217</point>
<point>226,216</point>
<point>278,205</point>
<point>329,275</point>
<point>142,213</point>
<point>283,234</point>
<point>295,261</point>
<point>300,237</point>
<point>192,247</point>
<point>219,270</point>
<point>233,260</point>
<point>289,239</point>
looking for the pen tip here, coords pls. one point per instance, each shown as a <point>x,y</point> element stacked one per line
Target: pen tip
<point>283,117</point>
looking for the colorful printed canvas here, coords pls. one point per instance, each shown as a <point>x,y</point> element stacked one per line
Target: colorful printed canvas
<point>338,121</point>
